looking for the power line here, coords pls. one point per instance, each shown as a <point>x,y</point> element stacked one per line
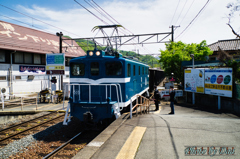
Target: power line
<point>174,12</point>
<point>34,18</point>
<point>118,23</point>
<point>106,14</point>
<point>186,12</point>
<point>193,19</point>
<point>181,11</point>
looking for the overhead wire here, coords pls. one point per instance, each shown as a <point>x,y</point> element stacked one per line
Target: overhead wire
<point>181,12</point>
<point>174,12</point>
<point>123,30</point>
<point>193,19</point>
<point>186,12</point>
<point>34,18</point>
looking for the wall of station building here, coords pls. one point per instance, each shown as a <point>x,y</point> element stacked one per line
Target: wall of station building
<point>22,84</point>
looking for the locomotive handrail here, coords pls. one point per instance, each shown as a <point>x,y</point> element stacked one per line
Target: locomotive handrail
<point>145,102</point>
<point>67,116</point>
<point>118,90</point>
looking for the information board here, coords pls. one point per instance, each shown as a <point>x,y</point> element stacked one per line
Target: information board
<point>218,82</point>
<point>194,80</point>
<point>55,64</point>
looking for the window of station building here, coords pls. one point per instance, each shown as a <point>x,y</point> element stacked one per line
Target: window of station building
<point>94,68</point>
<point>128,70</point>
<point>113,68</point>
<point>78,69</point>
<point>134,69</point>
<point>43,59</point>
<point>28,58</point>
<point>18,57</point>
<point>37,59</point>
<point>139,70</point>
<point>18,77</point>
<point>3,78</point>
<point>2,56</point>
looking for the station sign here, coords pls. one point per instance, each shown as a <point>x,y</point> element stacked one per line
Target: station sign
<point>55,64</point>
<point>218,82</point>
<point>194,80</point>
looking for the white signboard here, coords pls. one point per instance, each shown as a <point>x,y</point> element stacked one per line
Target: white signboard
<point>218,82</point>
<point>194,80</point>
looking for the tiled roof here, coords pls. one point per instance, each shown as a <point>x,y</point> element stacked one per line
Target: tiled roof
<point>19,38</point>
<point>232,44</point>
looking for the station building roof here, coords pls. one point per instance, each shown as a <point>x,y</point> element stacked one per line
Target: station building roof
<point>230,44</point>
<point>20,38</point>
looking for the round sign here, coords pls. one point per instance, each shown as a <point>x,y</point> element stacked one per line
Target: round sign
<point>213,78</point>
<point>227,79</point>
<point>220,79</point>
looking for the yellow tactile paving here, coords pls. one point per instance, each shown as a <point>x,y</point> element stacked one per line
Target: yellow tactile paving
<point>130,147</point>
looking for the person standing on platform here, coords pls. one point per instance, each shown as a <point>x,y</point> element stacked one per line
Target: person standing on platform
<point>172,95</point>
<point>156,98</point>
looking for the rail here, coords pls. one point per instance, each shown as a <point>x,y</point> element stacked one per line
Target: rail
<point>18,101</point>
<point>74,90</point>
<point>142,102</point>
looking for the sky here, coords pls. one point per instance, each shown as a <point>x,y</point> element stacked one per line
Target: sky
<point>136,16</point>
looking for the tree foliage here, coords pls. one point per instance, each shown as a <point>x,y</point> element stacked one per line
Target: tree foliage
<point>176,52</point>
<point>227,61</point>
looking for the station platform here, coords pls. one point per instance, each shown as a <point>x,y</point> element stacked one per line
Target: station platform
<point>10,113</point>
<point>189,133</point>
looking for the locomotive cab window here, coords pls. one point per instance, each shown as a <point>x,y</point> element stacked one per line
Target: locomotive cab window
<point>134,70</point>
<point>143,70</point>
<point>113,68</point>
<point>78,69</point>
<point>128,70</point>
<point>94,68</point>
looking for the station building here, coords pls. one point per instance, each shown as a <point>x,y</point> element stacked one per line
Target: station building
<point>23,58</point>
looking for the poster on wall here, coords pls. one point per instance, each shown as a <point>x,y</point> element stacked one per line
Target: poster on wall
<point>218,82</point>
<point>194,80</point>
<point>32,70</point>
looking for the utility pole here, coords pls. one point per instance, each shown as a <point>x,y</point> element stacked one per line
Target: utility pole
<point>173,31</point>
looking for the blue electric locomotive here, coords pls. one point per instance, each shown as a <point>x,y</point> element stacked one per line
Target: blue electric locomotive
<point>102,85</point>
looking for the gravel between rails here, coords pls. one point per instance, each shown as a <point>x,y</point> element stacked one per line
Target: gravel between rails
<point>20,145</point>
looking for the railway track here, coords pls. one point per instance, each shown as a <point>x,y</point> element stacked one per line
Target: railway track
<point>20,130</point>
<point>61,148</point>
<point>72,146</point>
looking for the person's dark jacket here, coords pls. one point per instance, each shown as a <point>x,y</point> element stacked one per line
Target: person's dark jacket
<point>172,95</point>
<point>156,94</point>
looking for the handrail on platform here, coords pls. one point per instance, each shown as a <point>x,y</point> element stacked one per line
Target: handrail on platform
<point>3,101</point>
<point>144,105</point>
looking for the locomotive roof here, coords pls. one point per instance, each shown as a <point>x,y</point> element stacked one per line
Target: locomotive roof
<point>108,57</point>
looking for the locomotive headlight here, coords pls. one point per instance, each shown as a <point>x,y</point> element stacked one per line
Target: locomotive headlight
<point>98,53</point>
<point>90,53</point>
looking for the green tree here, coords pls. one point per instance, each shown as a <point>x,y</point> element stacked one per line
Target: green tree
<point>176,52</point>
